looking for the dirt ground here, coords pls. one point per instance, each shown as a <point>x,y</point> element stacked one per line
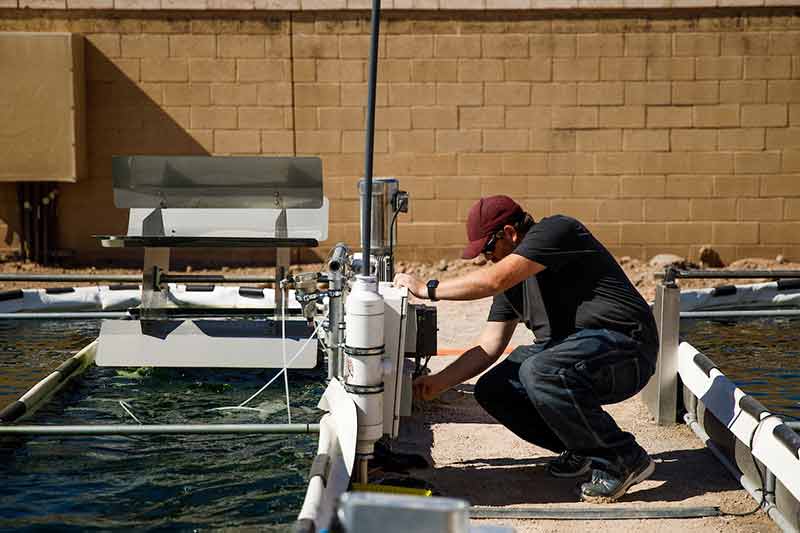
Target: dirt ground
<point>475,458</point>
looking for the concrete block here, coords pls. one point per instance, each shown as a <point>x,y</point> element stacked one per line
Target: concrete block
<point>669,116</point>
<point>212,70</point>
<point>458,94</point>
<point>757,162</point>
<point>578,69</point>
<point>554,94</point>
<point>235,95</point>
<point>409,46</point>
<point>458,141</point>
<point>695,92</point>
<point>595,186</point>
<point>645,140</point>
<point>767,67</point>
<point>447,46</point>
<point>743,92</point>
<point>711,162</point>
<point>213,117</point>
<point>241,46</point>
<point>719,68</point>
<point>618,162</point>
<point>568,117</point>
<point>735,233</point>
<point>144,45</point>
<point>192,46</point>
<point>767,115</point>
<point>553,45</point>
<point>254,70</point>
<point>783,91</point>
<point>660,210</point>
<point>407,94</point>
<point>504,46</point>
<point>505,140</point>
<point>599,140</point>
<point>736,186</point>
<point>689,186</point>
<point>648,44</point>
<point>600,44</point>
<point>434,117</point>
<point>510,94</point>
<point>476,70</point>
<point>165,69</point>
<point>261,118</point>
<point>534,69</point>
<point>318,142</point>
<point>745,44</point>
<point>703,209</point>
<point>424,70</point>
<point>237,142</point>
<point>621,117</point>
<point>622,68</point>
<point>316,94</point>
<point>696,44</point>
<point>601,93</point>
<point>648,93</point>
<point>693,140</point>
<point>333,70</point>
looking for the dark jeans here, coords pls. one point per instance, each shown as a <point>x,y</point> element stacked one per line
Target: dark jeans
<point>552,394</point>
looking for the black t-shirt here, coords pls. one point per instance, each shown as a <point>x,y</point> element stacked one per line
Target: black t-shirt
<point>581,287</point>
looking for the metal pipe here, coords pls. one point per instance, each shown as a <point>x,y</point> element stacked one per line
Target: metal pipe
<point>366,232</point>
<point>70,277</point>
<point>160,429</point>
<point>591,513</point>
<point>171,278</point>
<point>338,257</point>
<point>673,273</point>
<point>88,315</point>
<point>742,314</point>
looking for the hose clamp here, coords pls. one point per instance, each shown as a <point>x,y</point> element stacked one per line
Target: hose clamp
<point>363,389</point>
<point>364,352</point>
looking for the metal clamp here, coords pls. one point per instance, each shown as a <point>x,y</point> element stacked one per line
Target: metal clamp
<point>364,352</point>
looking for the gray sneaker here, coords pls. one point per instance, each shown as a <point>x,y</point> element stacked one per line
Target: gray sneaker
<point>607,485</point>
<point>569,465</point>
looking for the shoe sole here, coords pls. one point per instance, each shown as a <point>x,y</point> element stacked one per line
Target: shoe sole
<point>633,480</point>
<point>569,475</point>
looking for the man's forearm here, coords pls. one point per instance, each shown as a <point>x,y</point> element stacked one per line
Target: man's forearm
<point>467,366</point>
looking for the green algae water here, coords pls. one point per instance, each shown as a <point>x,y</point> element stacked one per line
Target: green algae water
<point>184,483</point>
<point>762,356</point>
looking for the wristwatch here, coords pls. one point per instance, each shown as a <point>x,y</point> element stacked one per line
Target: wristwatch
<point>432,284</point>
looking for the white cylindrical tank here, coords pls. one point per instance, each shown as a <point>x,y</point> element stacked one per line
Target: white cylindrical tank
<point>364,352</point>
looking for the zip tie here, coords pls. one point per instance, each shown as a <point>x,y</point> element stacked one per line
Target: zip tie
<point>125,406</point>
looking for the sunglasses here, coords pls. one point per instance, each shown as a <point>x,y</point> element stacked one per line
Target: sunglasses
<point>488,249</point>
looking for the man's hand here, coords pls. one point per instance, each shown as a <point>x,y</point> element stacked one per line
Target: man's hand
<point>427,387</point>
<point>417,287</point>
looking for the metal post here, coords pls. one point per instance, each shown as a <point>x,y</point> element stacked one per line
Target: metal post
<point>366,221</point>
<point>283,259</point>
<point>661,392</point>
<point>156,260</point>
<point>335,323</point>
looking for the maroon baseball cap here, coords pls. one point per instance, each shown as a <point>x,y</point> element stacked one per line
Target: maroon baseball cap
<point>487,216</point>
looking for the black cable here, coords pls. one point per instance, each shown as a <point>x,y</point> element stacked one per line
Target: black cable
<point>763,488</point>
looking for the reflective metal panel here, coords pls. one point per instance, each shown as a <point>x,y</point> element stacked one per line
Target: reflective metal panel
<point>209,182</point>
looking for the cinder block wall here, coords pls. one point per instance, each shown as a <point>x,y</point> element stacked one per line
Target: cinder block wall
<point>663,130</point>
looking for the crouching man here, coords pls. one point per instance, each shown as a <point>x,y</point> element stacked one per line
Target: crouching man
<point>595,342</point>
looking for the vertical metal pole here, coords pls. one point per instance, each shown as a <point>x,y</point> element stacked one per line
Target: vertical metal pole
<point>660,395</point>
<point>153,299</point>
<point>366,221</point>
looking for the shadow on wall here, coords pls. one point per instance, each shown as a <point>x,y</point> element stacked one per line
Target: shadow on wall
<point>123,117</point>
